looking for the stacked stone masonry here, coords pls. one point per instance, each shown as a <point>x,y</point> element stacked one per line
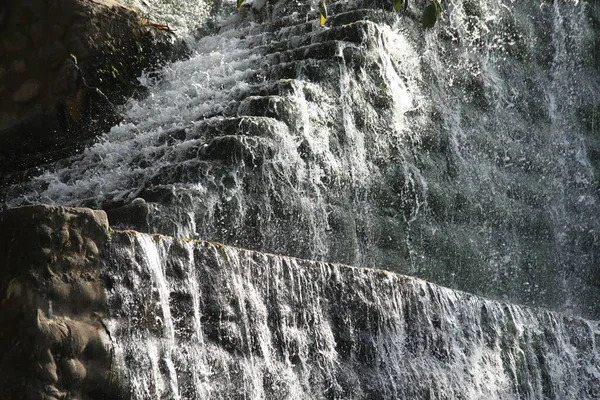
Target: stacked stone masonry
<point>64,65</point>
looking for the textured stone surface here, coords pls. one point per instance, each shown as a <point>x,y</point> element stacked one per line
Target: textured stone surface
<point>46,111</point>
<point>28,91</point>
<point>53,343</point>
<point>82,113</point>
<point>18,66</point>
<point>100,34</point>
<point>14,41</point>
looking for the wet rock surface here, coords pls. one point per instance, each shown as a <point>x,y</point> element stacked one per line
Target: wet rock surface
<point>53,342</point>
<point>195,319</point>
<point>363,142</point>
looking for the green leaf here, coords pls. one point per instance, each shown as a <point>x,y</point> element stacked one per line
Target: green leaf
<point>438,7</point>
<point>397,5</point>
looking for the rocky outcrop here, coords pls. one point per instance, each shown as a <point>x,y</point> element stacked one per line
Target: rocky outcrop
<point>47,110</point>
<point>53,342</point>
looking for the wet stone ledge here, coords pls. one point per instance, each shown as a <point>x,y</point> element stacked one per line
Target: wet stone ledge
<point>87,313</point>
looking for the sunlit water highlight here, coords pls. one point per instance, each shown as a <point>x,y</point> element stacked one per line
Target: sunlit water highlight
<point>222,323</point>
<point>463,154</point>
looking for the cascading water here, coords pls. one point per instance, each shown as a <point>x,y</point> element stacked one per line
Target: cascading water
<point>221,323</point>
<point>465,154</point>
<point>180,16</point>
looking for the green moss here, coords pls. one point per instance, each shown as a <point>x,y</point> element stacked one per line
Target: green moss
<point>143,48</point>
<point>111,232</point>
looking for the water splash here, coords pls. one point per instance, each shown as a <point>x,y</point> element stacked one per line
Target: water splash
<point>183,17</point>
<point>463,154</point>
<point>253,325</point>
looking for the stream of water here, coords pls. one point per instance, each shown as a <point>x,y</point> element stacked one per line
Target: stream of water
<point>214,322</point>
<point>466,154</point>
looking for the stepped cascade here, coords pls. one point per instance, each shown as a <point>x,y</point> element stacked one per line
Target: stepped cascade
<point>466,154</point>
<point>463,154</point>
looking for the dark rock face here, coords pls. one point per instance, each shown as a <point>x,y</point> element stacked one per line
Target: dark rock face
<point>81,114</point>
<point>47,111</point>
<point>53,343</point>
<point>109,40</point>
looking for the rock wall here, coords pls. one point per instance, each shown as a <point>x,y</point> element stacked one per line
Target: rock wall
<point>37,37</point>
<point>53,343</point>
<point>47,108</point>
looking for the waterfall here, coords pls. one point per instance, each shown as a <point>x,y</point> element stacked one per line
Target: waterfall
<point>332,162</point>
<point>199,320</point>
<point>465,154</point>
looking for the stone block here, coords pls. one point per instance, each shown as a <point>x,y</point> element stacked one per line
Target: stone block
<point>74,370</point>
<point>42,32</point>
<point>76,46</point>
<point>2,81</point>
<point>52,55</point>
<point>52,301</point>
<point>18,66</point>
